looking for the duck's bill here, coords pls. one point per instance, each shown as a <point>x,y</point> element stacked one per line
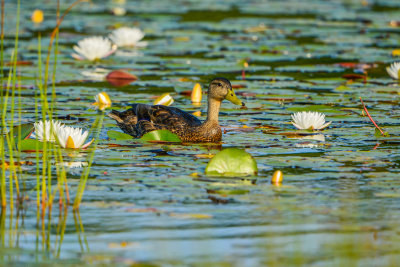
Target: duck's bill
<point>234,99</point>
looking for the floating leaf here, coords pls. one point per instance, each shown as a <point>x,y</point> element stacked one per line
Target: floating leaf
<point>342,88</point>
<point>355,77</point>
<point>226,192</point>
<point>114,135</point>
<point>161,136</point>
<point>191,216</point>
<point>30,145</point>
<point>232,161</point>
<point>119,78</point>
<point>26,130</point>
<point>21,63</point>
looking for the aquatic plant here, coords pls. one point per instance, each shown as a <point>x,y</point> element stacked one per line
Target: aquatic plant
<point>103,101</point>
<point>277,177</point>
<point>70,137</point>
<point>37,16</point>
<point>393,70</point>
<point>308,120</point>
<point>125,37</point>
<point>232,162</point>
<point>46,130</point>
<point>164,99</point>
<point>93,48</point>
<point>196,94</point>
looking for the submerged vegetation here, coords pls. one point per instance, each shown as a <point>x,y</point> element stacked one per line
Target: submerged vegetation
<point>283,187</point>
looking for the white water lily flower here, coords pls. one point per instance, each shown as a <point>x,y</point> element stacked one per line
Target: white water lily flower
<point>126,36</point>
<point>93,48</point>
<point>70,137</point>
<point>307,120</point>
<point>47,130</point>
<point>393,70</point>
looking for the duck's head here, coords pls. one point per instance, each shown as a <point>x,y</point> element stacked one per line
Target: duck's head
<point>220,89</point>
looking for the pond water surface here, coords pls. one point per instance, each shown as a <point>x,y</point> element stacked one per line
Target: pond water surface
<point>152,203</point>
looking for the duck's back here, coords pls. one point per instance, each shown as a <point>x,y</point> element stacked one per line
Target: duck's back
<point>163,115</point>
<point>142,118</point>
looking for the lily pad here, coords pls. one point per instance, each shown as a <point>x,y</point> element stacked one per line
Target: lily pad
<point>30,145</point>
<point>26,130</point>
<point>115,135</point>
<point>232,161</point>
<point>161,136</point>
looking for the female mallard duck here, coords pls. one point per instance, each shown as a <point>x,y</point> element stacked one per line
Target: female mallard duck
<point>142,118</point>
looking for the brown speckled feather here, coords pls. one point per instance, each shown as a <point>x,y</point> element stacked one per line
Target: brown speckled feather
<point>142,118</point>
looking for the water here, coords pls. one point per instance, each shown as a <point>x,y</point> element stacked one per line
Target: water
<point>150,203</point>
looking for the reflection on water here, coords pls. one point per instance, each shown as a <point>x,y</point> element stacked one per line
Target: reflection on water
<point>315,137</point>
<point>152,203</point>
<point>39,237</point>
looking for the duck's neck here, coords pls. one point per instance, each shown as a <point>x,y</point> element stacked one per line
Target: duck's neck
<point>213,110</point>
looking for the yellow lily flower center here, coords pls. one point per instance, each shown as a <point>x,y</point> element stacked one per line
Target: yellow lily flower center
<point>70,143</point>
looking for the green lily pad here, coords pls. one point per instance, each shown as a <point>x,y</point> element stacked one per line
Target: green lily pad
<point>232,161</point>
<point>26,130</point>
<point>115,135</point>
<point>319,108</point>
<point>30,145</point>
<point>161,136</point>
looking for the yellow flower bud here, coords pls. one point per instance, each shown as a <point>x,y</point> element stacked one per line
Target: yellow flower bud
<point>277,177</point>
<point>196,93</point>
<point>164,99</point>
<point>37,16</point>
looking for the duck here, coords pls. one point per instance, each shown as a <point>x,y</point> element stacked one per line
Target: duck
<point>142,118</point>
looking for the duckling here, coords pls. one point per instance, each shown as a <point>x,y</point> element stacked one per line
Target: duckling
<point>142,118</point>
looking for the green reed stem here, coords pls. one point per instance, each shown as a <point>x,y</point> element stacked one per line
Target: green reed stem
<point>85,173</point>
<point>62,227</point>
<point>2,145</point>
<point>3,226</point>
<point>80,230</point>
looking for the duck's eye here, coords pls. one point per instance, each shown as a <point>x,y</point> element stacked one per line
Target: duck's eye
<point>219,84</point>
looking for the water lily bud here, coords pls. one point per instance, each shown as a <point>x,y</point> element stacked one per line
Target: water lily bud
<point>164,99</point>
<point>102,100</point>
<point>396,53</point>
<point>119,11</point>
<point>197,113</point>
<point>37,16</point>
<point>196,93</point>
<point>277,177</point>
